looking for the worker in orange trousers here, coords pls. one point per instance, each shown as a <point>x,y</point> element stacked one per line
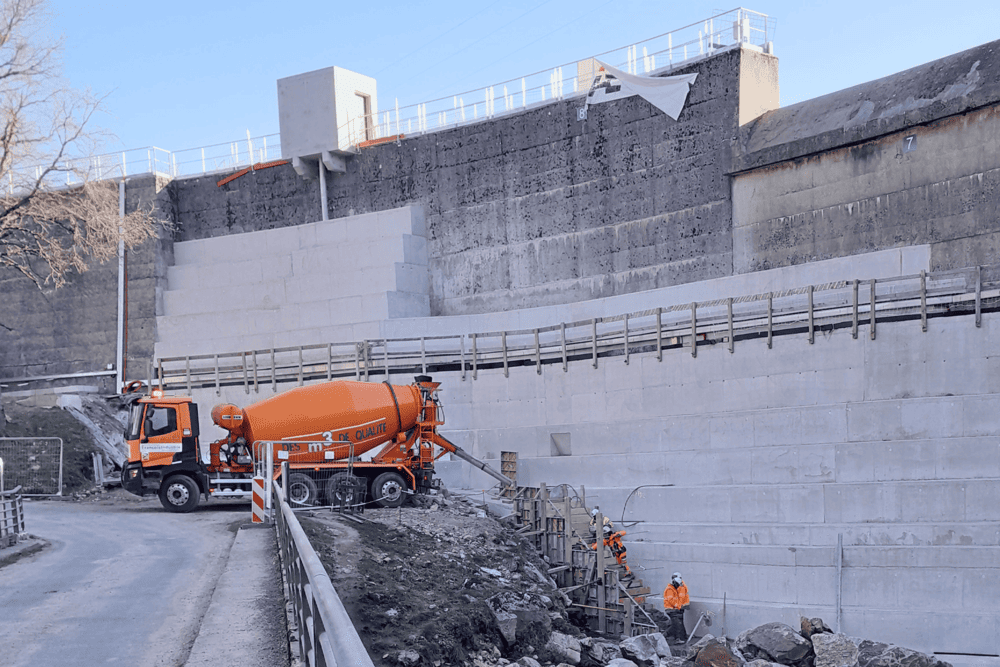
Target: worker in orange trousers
<point>675,601</point>
<point>613,540</point>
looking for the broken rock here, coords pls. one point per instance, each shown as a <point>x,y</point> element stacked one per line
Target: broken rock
<point>812,626</point>
<point>598,652</point>
<point>528,661</point>
<point>564,647</point>
<point>641,650</point>
<point>834,650</point>
<point>877,654</point>
<point>408,658</point>
<point>716,653</point>
<point>775,642</point>
<point>507,622</point>
<point>621,662</point>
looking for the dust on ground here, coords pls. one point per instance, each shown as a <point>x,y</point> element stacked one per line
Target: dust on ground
<point>418,578</point>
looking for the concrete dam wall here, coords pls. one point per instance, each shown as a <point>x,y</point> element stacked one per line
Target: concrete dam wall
<point>534,219</point>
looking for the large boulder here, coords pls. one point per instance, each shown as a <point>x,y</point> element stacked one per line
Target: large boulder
<point>598,652</point>
<point>621,662</point>
<point>715,653</point>
<point>528,661</point>
<point>698,645</point>
<point>408,658</point>
<point>642,650</point>
<point>834,650</point>
<point>760,662</point>
<point>812,626</point>
<point>564,647</point>
<point>775,642</point>
<point>877,654</point>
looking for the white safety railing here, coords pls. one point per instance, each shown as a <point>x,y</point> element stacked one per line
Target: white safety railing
<point>690,325</point>
<point>326,634</point>
<point>658,54</point>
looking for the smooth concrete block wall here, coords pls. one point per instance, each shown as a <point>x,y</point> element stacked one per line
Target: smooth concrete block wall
<point>882,264</point>
<point>742,470</point>
<point>296,285</point>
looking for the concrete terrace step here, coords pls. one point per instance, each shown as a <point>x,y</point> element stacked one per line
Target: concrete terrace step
<point>266,341</point>
<point>366,227</point>
<point>236,290</point>
<point>342,262</point>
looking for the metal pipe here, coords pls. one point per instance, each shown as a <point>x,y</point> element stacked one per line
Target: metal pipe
<point>840,577</point>
<point>120,350</point>
<point>322,191</point>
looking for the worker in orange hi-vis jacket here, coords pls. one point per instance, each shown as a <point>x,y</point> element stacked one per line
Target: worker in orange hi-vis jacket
<point>675,601</point>
<point>613,540</point>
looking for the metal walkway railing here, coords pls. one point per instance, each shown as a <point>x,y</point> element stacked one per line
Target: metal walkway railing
<point>326,634</point>
<point>854,304</point>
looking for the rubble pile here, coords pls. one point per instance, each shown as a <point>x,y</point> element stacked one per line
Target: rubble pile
<point>442,584</point>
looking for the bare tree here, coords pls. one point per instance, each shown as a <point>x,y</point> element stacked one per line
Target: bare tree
<point>54,219</point>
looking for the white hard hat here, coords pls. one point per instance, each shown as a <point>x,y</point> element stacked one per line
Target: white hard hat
<point>593,512</point>
<point>677,576</point>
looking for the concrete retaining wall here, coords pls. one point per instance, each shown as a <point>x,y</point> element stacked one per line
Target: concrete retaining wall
<point>74,329</point>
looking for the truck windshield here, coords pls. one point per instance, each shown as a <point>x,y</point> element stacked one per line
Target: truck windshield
<point>134,421</point>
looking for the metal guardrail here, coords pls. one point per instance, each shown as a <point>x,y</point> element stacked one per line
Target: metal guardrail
<point>11,516</point>
<point>692,325</point>
<point>326,634</point>
<point>657,54</point>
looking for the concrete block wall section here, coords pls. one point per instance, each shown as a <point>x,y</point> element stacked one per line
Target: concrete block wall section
<point>536,207</point>
<point>772,454</point>
<point>857,170</point>
<point>74,329</point>
<point>295,286</point>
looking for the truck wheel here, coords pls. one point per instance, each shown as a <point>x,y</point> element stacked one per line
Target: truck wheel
<point>302,490</point>
<point>335,489</point>
<point>389,489</point>
<point>179,494</point>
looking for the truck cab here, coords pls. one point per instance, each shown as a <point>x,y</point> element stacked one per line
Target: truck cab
<point>164,455</point>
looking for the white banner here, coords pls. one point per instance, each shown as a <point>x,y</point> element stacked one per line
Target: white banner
<point>667,93</point>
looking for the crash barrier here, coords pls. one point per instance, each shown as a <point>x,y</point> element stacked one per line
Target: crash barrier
<point>34,464</point>
<point>856,304</point>
<point>326,634</point>
<point>11,516</point>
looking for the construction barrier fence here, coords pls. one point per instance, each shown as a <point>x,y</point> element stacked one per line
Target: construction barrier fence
<point>34,464</point>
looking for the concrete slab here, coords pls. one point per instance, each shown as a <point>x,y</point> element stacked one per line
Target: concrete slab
<point>250,588</point>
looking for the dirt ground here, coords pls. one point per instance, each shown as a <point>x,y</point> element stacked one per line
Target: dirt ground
<point>78,444</point>
<point>419,579</point>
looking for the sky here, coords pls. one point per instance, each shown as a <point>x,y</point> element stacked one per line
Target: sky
<point>188,73</point>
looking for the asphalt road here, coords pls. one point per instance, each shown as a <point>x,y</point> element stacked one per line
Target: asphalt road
<point>122,582</point>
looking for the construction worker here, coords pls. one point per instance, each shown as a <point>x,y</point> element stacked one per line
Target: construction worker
<point>593,522</point>
<point>675,601</point>
<point>613,540</point>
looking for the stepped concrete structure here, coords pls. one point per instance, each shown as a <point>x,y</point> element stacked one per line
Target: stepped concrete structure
<point>746,468</point>
<point>324,281</point>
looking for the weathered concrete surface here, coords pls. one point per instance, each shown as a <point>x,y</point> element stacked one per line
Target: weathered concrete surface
<point>534,207</point>
<point>909,159</point>
<point>74,329</point>
<point>958,83</point>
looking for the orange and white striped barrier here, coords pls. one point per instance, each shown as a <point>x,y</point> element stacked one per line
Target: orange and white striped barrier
<point>258,500</point>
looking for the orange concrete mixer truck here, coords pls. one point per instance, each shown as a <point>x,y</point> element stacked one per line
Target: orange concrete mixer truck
<point>322,430</point>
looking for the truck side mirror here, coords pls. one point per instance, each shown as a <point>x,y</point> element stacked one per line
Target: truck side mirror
<point>147,426</point>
